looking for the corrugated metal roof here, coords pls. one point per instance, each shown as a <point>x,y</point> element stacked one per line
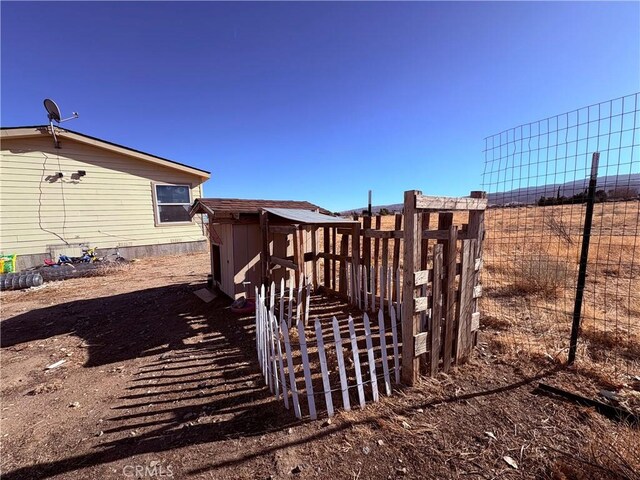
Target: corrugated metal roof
<point>305,216</point>
<point>240,205</point>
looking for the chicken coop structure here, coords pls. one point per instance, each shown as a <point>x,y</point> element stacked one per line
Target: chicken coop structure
<point>424,269</point>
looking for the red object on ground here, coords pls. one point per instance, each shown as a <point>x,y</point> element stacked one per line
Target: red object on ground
<point>249,306</point>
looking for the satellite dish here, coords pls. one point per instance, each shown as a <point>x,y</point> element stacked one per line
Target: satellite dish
<point>52,110</point>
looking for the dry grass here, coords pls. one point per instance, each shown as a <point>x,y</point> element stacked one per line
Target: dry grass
<point>530,273</point>
<point>540,274</point>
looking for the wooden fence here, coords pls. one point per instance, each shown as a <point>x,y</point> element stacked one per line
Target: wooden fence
<point>295,360</point>
<point>429,263</point>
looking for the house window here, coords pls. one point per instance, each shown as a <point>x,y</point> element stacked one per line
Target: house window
<point>173,203</point>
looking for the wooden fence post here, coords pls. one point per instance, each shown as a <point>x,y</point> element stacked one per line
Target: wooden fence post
<point>326,263</point>
<point>264,225</point>
<point>314,255</point>
<point>410,320</point>
<point>355,260</point>
<point>476,230</point>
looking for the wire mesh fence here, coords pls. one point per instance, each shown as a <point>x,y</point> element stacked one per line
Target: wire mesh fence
<point>537,177</point>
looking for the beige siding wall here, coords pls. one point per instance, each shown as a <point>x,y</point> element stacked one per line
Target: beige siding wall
<point>111,206</point>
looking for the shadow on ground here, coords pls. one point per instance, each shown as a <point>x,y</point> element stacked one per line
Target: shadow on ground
<point>198,381</point>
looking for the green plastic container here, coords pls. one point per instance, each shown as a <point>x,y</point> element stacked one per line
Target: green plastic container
<point>8,263</point>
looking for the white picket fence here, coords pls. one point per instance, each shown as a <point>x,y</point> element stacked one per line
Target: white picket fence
<point>277,353</point>
<point>371,289</point>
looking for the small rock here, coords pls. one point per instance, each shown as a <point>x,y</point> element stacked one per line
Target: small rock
<point>133,433</point>
<point>401,471</point>
<point>490,435</point>
<point>327,422</point>
<point>74,405</point>
<point>406,425</point>
<point>511,462</point>
<point>100,433</point>
<point>420,410</point>
<point>380,442</point>
<point>366,450</point>
<point>290,431</point>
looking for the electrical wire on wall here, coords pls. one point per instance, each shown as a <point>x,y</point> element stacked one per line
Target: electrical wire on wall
<point>64,209</point>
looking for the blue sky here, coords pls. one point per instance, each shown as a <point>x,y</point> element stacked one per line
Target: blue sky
<point>315,101</point>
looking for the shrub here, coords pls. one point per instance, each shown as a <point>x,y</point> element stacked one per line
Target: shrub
<point>540,274</point>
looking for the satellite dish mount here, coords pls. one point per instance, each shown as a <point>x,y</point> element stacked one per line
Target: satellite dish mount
<point>54,115</point>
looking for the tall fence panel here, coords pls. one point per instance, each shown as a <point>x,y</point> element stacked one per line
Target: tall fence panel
<point>537,178</point>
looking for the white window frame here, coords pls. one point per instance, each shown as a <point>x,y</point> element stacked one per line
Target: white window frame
<point>156,205</point>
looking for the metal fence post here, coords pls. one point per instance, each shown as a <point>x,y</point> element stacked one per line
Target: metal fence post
<point>584,256</point>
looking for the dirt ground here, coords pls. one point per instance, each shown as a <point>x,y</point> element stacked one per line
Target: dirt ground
<point>158,384</point>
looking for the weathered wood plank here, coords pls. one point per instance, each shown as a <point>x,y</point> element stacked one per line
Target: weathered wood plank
<point>307,371</point>
<point>283,263</point>
<point>366,244</point>
<point>394,340</point>
<point>344,387</point>
<point>291,370</point>
<point>283,378</point>
<point>371,357</point>
<point>355,253</point>
<point>374,289</point>
<point>292,287</point>
<point>383,351</point>
<point>422,277</point>
<point>365,289</point>
<point>314,254</point>
<point>326,240</point>
<point>476,230</point>
<point>356,362</point>
<point>282,229</point>
<point>410,320</point>
<point>323,368</point>
<point>464,340</point>
<point>475,321</point>
<point>381,234</point>
<point>334,251</point>
<point>450,307</point>
<point>436,312</point>
<point>422,304</point>
<point>420,343</point>
<point>264,260</point>
<point>376,244</point>
<point>396,252</point>
<point>450,203</point>
<point>344,248</point>
<point>331,256</point>
<point>383,273</point>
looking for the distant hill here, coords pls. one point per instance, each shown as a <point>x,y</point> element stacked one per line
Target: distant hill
<point>393,208</point>
<point>531,195</point>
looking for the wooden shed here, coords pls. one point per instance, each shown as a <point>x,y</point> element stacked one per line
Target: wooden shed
<point>255,241</point>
